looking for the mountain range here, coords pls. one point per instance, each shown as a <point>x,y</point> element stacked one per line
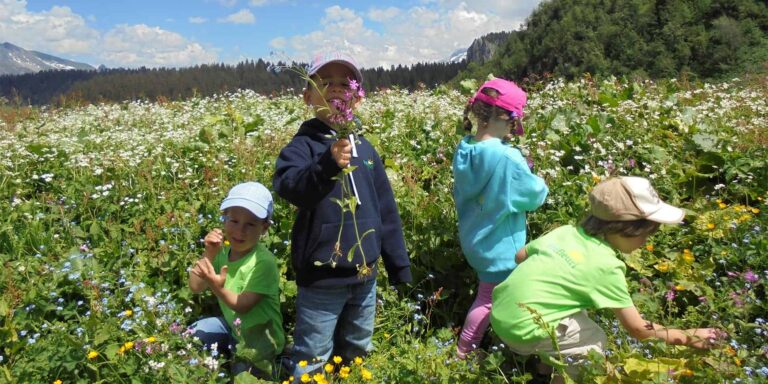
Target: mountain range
<point>15,60</point>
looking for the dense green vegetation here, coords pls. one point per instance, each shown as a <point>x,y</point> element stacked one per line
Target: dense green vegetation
<point>640,38</point>
<point>62,87</point>
<point>105,206</point>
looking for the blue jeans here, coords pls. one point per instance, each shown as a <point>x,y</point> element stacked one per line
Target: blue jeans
<point>212,330</point>
<point>332,320</point>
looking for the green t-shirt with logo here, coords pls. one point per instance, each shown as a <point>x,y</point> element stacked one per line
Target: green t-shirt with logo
<point>261,328</point>
<point>566,271</point>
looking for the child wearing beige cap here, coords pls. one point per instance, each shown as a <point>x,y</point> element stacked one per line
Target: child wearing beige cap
<point>574,268</point>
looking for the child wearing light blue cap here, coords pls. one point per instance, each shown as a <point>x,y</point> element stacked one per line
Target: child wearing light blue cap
<point>243,275</point>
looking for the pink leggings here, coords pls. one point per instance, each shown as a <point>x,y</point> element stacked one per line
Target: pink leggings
<point>477,319</point>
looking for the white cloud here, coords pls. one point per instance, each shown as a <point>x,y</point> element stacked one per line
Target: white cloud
<point>228,3</point>
<point>242,16</point>
<point>61,32</point>
<point>58,30</point>
<point>428,32</point>
<point>257,3</point>
<point>197,20</point>
<point>142,45</point>
<point>382,15</point>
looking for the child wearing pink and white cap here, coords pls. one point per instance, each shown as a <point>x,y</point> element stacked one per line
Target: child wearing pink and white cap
<point>493,189</point>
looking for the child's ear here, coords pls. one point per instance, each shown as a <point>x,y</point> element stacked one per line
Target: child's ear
<point>357,101</point>
<point>307,95</point>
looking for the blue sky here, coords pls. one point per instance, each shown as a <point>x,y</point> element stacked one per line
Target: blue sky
<point>132,33</point>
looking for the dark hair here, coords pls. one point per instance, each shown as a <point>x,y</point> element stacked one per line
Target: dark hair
<point>484,112</point>
<point>597,227</point>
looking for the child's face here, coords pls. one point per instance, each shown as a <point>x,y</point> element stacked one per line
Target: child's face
<point>626,244</point>
<point>333,83</point>
<point>243,229</point>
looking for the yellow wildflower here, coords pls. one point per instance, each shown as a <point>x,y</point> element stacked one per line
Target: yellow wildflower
<point>688,256</point>
<point>755,210</point>
<point>92,355</point>
<point>322,380</point>
<point>57,381</point>
<point>366,374</point>
<point>685,372</point>
<point>344,372</point>
<point>722,205</point>
<point>128,313</point>
<point>662,267</point>
<point>337,359</point>
<point>358,360</point>
<point>595,178</point>
<point>679,288</point>
<point>128,345</point>
<point>286,382</point>
<point>710,225</point>
<point>303,363</point>
<point>305,378</point>
<point>318,376</point>
<point>329,368</point>
<point>649,247</point>
<point>737,361</point>
<point>226,243</point>
<point>150,339</point>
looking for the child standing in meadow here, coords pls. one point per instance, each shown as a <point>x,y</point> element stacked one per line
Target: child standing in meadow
<point>571,269</point>
<point>244,277</point>
<point>493,189</point>
<point>334,253</point>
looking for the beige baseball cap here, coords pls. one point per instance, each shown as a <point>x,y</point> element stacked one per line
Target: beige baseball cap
<point>630,198</point>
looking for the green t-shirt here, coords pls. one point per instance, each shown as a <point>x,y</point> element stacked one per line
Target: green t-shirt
<point>262,327</point>
<point>566,271</point>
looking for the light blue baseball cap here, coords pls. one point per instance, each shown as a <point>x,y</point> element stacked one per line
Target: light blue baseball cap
<point>252,196</point>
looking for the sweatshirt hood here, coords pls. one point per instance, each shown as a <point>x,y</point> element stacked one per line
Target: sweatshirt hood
<point>316,129</point>
<point>474,163</point>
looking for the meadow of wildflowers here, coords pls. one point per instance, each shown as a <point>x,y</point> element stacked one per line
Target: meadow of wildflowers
<point>103,210</point>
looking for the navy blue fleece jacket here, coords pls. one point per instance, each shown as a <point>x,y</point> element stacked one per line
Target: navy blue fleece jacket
<point>304,176</point>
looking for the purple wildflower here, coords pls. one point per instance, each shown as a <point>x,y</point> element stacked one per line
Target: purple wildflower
<point>750,276</point>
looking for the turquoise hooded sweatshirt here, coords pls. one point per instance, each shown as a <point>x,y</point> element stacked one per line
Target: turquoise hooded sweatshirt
<point>493,189</point>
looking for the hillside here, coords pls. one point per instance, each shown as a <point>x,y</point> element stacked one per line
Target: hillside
<point>15,60</point>
<point>656,39</point>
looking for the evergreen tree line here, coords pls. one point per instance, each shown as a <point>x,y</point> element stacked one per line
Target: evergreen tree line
<point>706,39</point>
<point>58,87</point>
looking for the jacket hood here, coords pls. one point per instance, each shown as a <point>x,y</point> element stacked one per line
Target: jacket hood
<point>474,165</point>
<point>316,129</point>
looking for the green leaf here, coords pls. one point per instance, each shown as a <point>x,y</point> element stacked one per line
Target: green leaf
<point>351,253</point>
<point>101,336</point>
<point>647,369</point>
<point>337,201</point>
<point>635,261</point>
<point>95,229</point>
<point>705,142</point>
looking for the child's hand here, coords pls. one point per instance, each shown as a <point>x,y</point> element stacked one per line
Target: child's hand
<point>341,151</point>
<point>705,338</point>
<point>213,241</point>
<point>204,270</point>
